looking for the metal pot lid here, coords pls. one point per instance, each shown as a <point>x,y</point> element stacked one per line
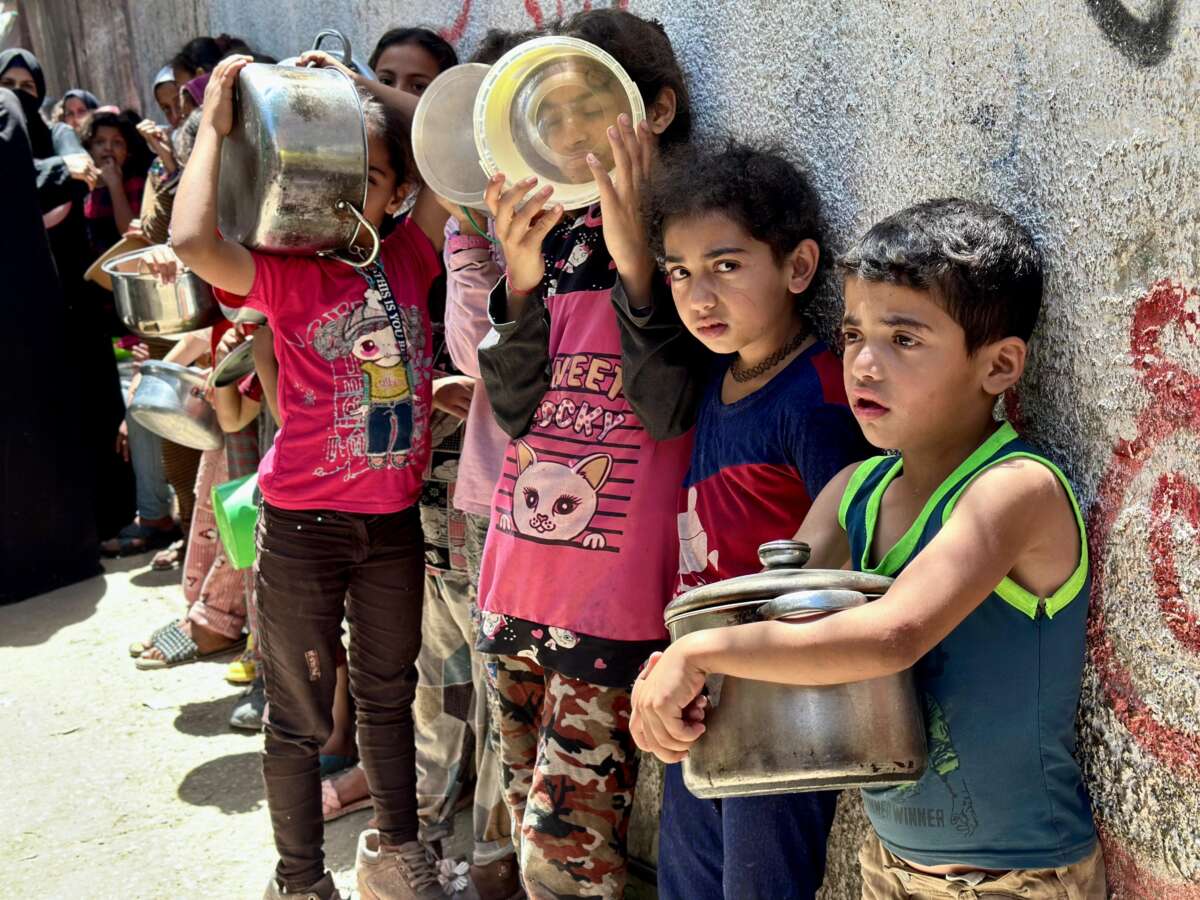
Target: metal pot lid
<point>544,106</point>
<point>234,367</point>
<point>443,136</point>
<point>774,583</point>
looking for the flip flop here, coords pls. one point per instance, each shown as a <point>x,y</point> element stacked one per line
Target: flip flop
<point>331,805</point>
<point>178,648</point>
<point>162,565</point>
<point>136,538</point>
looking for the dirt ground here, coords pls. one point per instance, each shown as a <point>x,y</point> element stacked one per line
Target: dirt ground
<point>122,783</point>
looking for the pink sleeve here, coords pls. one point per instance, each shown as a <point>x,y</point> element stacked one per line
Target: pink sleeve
<point>472,270</point>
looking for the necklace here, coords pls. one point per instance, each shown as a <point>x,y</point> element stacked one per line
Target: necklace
<point>741,375</point>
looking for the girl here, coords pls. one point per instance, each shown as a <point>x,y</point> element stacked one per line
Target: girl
<point>581,554</point>
<point>339,532</point>
<point>408,59</point>
<point>123,159</point>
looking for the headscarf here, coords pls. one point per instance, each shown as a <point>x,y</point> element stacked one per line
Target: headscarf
<point>195,89</point>
<point>40,141</point>
<point>166,75</point>
<point>89,99</point>
<point>26,60</point>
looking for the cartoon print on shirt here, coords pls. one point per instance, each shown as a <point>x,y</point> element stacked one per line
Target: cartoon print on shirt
<point>383,414</point>
<point>694,555</point>
<point>555,502</point>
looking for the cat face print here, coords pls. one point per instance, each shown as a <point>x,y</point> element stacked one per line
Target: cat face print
<point>555,502</point>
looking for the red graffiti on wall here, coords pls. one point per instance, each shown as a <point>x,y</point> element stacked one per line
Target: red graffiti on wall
<point>533,8</point>
<point>454,32</point>
<point>1166,312</point>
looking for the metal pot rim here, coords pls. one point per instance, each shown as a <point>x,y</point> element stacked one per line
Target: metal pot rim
<point>109,267</point>
<point>759,587</point>
<point>158,368</point>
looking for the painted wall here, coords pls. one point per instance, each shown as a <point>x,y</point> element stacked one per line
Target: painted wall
<point>1081,116</point>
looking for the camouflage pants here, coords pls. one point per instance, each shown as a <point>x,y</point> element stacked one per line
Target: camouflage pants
<point>451,715</point>
<point>569,769</point>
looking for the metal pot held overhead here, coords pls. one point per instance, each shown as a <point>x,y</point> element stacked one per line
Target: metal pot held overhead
<point>169,401</point>
<point>294,168</point>
<point>150,308</point>
<point>764,738</point>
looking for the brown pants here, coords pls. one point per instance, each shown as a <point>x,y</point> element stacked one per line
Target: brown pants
<point>314,566</point>
<point>887,877</point>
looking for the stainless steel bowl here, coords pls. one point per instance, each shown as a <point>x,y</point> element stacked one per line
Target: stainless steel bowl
<point>150,308</point>
<point>169,401</point>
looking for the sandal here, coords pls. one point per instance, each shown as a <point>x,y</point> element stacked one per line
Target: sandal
<point>168,558</point>
<point>137,538</point>
<point>137,648</point>
<point>331,803</point>
<point>243,669</point>
<point>178,648</point>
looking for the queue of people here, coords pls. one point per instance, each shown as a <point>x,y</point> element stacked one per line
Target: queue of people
<point>489,459</point>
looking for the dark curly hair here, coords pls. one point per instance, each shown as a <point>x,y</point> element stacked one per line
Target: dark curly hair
<point>429,41</point>
<point>759,189</point>
<point>644,51</point>
<point>976,260</point>
<point>496,42</point>
<point>387,122</point>
<point>205,52</point>
<point>139,156</point>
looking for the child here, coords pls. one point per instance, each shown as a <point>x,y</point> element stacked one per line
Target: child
<point>987,545</point>
<point>339,532</point>
<point>580,556</point>
<point>739,235</point>
<point>123,159</point>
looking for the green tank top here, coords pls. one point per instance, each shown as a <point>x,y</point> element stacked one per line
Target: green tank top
<point>1001,789</point>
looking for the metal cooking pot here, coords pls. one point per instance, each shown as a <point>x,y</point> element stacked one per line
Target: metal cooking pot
<point>348,59</point>
<point>169,401</point>
<point>764,738</point>
<point>153,309</point>
<point>294,168</point>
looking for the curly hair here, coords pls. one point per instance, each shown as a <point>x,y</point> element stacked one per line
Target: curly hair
<point>388,123</point>
<point>139,155</point>
<point>976,260</point>
<point>496,42</point>
<point>644,51</point>
<point>759,189</point>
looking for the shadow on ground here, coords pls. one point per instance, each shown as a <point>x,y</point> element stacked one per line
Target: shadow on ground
<point>31,622</point>
<point>233,783</point>
<point>209,718</point>
<point>156,578</point>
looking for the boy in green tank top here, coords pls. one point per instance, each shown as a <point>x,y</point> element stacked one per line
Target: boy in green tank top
<point>987,545</point>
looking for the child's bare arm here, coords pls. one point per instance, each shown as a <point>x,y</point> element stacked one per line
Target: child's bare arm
<point>430,216</point>
<point>234,410</point>
<point>267,368</point>
<point>194,236</point>
<point>1014,519</point>
<point>821,530</point>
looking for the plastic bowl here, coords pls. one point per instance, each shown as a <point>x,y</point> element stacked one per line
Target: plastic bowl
<point>544,106</point>
<point>443,136</point>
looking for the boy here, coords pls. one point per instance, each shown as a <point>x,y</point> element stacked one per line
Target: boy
<point>987,545</point>
<point>738,234</point>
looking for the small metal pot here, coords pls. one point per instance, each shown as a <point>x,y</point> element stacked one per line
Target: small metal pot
<point>150,308</point>
<point>294,168</point>
<point>169,401</point>
<point>765,738</point>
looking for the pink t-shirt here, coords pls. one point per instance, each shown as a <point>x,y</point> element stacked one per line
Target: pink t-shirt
<point>583,531</point>
<point>354,408</point>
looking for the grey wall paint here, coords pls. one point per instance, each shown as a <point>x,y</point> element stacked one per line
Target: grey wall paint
<point>1081,117</point>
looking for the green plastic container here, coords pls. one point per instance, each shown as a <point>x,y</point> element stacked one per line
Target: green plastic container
<point>235,505</point>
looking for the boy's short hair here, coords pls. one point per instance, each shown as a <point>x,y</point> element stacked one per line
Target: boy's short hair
<point>977,261</point>
<point>644,51</point>
<point>760,189</point>
<point>496,42</point>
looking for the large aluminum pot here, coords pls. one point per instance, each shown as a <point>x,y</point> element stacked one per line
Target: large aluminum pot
<point>169,401</point>
<point>294,168</point>
<point>763,738</point>
<point>151,308</point>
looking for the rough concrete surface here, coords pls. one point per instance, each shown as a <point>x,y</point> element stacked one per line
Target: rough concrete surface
<point>1081,117</point>
<point>120,783</point>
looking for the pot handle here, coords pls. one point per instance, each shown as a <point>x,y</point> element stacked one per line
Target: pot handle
<point>331,32</point>
<point>799,603</point>
<point>342,206</point>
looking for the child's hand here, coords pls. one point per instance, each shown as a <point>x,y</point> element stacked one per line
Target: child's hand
<point>157,140</point>
<point>321,60</point>
<point>161,261</point>
<point>452,394</point>
<point>634,153</point>
<point>229,340</point>
<point>521,229</point>
<point>110,173</point>
<point>81,167</point>
<point>667,711</point>
<point>218,96</point>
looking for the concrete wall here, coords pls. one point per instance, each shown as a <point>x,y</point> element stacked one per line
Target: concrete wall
<point>1078,115</point>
